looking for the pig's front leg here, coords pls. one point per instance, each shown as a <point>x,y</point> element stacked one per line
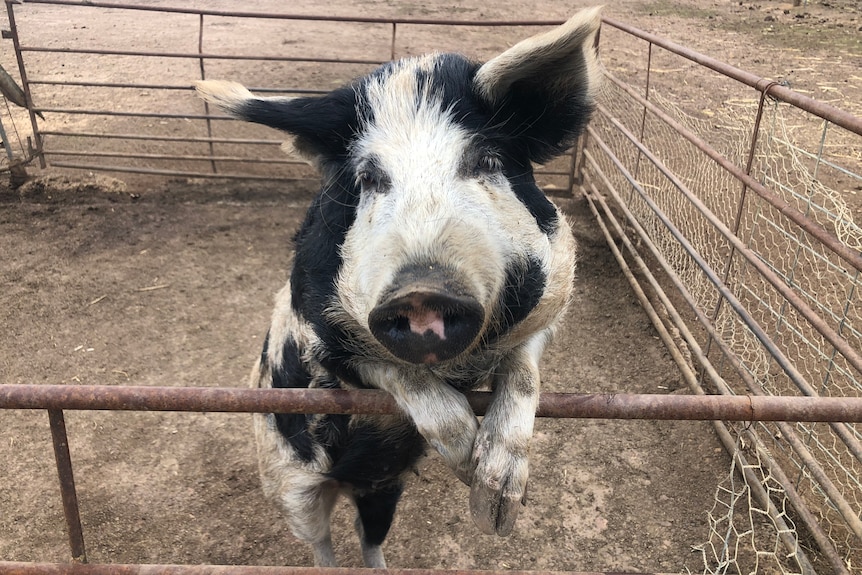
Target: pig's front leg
<point>500,454</point>
<point>440,413</point>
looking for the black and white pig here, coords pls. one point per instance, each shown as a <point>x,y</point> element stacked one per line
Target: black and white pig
<point>429,264</point>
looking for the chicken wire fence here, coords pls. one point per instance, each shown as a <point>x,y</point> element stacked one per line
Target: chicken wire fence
<point>728,199</point>
<point>742,195</point>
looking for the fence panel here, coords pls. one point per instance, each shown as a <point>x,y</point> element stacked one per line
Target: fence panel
<point>736,187</point>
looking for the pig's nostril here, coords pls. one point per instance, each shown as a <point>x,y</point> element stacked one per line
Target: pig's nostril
<point>422,327</point>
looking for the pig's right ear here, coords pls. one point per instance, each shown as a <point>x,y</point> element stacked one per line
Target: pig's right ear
<point>543,88</point>
<point>321,126</point>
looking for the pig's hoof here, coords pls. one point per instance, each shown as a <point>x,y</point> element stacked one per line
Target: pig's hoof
<point>494,505</point>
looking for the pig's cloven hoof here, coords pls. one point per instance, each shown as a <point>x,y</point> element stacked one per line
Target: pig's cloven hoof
<point>494,507</point>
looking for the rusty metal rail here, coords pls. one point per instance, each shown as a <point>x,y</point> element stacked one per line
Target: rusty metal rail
<point>56,398</point>
<point>555,405</point>
<point>12,568</point>
<point>305,17</point>
<point>768,87</point>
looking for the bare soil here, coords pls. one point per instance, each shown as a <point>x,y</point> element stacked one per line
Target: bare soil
<point>171,282</point>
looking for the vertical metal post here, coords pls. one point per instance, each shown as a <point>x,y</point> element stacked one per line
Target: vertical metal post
<point>206,104</point>
<point>636,172</point>
<point>25,84</point>
<point>752,149</point>
<point>574,172</point>
<point>67,485</point>
<point>6,144</point>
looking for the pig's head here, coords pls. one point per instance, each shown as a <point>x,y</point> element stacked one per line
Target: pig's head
<point>430,235</point>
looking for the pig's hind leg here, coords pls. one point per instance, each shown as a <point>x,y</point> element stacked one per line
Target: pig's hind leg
<point>375,511</point>
<point>309,508</point>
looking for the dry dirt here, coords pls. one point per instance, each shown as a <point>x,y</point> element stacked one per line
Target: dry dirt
<point>170,282</point>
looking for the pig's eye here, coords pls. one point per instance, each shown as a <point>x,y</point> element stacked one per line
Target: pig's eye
<point>487,164</point>
<point>367,181</point>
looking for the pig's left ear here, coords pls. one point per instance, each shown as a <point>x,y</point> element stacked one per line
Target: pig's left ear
<point>321,126</point>
<point>544,86</point>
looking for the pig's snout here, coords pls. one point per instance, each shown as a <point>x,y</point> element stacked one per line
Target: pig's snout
<point>425,320</point>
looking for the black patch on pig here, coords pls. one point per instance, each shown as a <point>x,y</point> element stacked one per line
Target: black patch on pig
<point>524,287</point>
<point>291,373</point>
<point>368,457</point>
<point>376,511</point>
<point>316,264</point>
<point>323,125</point>
<point>525,188</point>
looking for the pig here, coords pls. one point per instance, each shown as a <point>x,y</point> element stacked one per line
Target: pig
<point>429,264</point>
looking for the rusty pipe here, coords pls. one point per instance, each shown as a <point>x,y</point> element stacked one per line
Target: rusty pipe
<point>67,485</point>
<point>21,568</point>
<point>821,109</point>
<point>557,405</point>
<point>306,17</point>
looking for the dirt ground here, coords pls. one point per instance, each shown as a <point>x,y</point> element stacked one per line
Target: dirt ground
<point>170,282</point>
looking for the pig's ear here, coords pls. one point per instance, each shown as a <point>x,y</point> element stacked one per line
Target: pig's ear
<point>321,126</point>
<point>544,87</point>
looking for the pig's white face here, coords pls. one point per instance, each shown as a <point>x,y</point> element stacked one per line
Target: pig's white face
<point>438,226</point>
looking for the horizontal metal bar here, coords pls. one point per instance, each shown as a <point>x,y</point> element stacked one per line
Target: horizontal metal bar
<point>147,137</point>
<point>20,568</point>
<point>823,110</point>
<point>88,84</point>
<point>181,87</point>
<point>311,18</point>
<point>173,173</point>
<point>200,56</point>
<point>556,405</point>
<point>848,254</point>
<point>91,112</point>
<point>157,115</point>
<point>194,158</point>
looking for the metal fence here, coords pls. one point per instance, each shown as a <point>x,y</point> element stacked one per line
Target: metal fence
<point>155,128</point>
<point>732,229</point>
<point>752,263</point>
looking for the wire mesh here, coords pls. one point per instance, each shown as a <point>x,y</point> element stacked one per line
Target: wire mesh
<point>743,535</point>
<point>796,299</point>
